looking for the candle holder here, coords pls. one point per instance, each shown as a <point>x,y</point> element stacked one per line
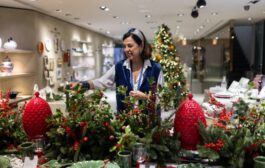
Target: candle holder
<point>39,141</point>
<point>27,150</point>
<point>124,159</point>
<point>139,153</point>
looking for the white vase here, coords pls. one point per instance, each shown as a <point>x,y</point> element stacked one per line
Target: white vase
<point>10,44</point>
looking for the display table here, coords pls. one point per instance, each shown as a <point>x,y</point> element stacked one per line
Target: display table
<point>60,105</point>
<point>226,101</point>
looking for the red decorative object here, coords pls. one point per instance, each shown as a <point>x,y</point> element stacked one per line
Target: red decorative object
<point>34,116</point>
<point>186,119</point>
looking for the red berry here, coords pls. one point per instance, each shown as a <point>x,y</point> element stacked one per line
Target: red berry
<point>85,139</point>
<point>82,124</point>
<point>106,124</point>
<point>111,137</point>
<point>76,145</point>
<point>68,130</point>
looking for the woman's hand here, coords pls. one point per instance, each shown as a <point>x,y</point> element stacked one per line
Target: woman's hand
<point>138,95</point>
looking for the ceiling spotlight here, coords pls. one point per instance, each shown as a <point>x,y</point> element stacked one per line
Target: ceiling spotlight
<point>194,12</point>
<point>104,8</point>
<point>250,19</point>
<point>201,3</point>
<point>180,14</point>
<point>214,13</point>
<point>246,7</point>
<point>148,15</point>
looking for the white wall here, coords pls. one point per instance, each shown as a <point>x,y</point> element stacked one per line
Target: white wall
<point>29,27</point>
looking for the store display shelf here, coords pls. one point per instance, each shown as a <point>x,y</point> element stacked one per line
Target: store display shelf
<point>76,54</point>
<point>13,75</point>
<point>19,51</point>
<point>81,41</point>
<point>82,67</point>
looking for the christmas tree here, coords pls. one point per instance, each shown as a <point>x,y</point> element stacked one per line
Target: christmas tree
<point>164,52</point>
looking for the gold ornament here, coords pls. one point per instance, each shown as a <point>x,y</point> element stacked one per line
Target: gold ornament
<point>171,47</point>
<point>158,57</point>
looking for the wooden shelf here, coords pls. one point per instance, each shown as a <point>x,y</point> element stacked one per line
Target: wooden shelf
<point>18,51</point>
<point>14,75</point>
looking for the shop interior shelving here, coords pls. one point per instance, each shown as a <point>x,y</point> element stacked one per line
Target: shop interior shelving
<point>23,76</point>
<point>83,60</point>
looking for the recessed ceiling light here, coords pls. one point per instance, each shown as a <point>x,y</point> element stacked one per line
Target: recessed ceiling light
<point>68,14</point>
<point>116,17</point>
<point>76,18</point>
<point>178,27</point>
<point>201,3</point>
<point>32,0</point>
<point>202,26</point>
<point>108,32</point>
<point>104,8</point>
<point>198,30</point>
<point>214,13</point>
<point>148,15</point>
<point>58,10</point>
<point>232,37</point>
<point>179,21</point>
<point>180,14</point>
<point>124,22</point>
<point>89,23</point>
<point>250,18</point>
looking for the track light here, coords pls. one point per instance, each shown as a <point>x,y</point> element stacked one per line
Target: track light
<point>194,12</point>
<point>201,3</point>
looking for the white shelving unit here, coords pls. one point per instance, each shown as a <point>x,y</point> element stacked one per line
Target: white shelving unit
<point>83,60</point>
<point>108,57</point>
<point>14,75</point>
<point>23,76</point>
<point>15,51</point>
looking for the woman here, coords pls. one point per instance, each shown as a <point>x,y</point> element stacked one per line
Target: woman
<point>134,72</point>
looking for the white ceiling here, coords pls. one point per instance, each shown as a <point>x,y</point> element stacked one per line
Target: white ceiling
<point>132,13</point>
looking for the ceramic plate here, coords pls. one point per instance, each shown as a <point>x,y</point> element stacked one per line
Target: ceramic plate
<point>48,45</point>
<point>93,164</point>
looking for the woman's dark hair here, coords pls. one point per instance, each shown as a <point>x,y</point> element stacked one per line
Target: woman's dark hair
<point>147,49</point>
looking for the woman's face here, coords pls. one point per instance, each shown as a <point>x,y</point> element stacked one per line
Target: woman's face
<point>131,49</point>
